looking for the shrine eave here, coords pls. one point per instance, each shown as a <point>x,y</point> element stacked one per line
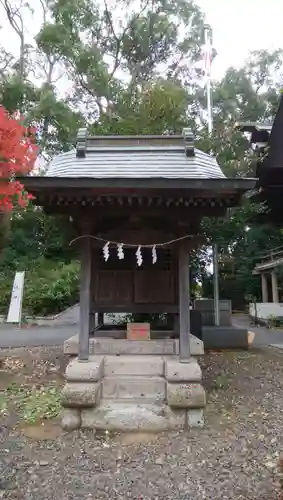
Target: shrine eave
<point>214,185</point>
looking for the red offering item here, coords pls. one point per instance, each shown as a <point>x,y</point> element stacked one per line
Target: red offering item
<point>138,331</point>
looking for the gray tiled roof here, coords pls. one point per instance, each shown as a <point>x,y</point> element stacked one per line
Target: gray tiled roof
<point>156,162</point>
<point>168,157</point>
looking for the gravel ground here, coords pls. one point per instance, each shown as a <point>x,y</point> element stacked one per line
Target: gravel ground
<point>235,456</point>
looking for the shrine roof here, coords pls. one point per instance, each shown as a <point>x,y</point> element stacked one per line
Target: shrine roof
<point>162,170</point>
<point>132,157</point>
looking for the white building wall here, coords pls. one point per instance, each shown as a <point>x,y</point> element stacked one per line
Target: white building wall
<point>266,310</point>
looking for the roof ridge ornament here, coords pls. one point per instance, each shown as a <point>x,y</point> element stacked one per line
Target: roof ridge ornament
<point>81,143</point>
<point>189,142</point>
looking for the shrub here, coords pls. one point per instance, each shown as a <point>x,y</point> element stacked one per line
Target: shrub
<point>49,287</point>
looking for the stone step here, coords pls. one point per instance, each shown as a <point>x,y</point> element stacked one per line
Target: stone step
<point>129,387</point>
<point>134,365</point>
<point>121,416</point>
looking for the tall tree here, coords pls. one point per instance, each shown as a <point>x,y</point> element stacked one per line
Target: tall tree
<point>118,55</point>
<point>28,81</point>
<point>17,157</point>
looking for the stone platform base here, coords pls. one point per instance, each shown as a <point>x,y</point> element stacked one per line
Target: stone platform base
<point>132,417</point>
<point>133,393</point>
<point>103,346</point>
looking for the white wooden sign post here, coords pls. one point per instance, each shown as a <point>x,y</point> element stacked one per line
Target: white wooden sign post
<point>15,309</point>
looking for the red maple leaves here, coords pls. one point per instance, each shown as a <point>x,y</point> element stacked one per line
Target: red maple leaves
<point>18,153</point>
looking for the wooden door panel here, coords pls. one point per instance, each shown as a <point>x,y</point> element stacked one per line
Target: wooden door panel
<point>114,287</point>
<point>154,287</point>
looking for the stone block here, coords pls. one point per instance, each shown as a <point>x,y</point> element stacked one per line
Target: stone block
<point>177,416</point>
<point>229,337</point>
<point>185,395</point>
<point>182,372</point>
<point>138,388</point>
<point>125,416</point>
<point>71,419</point>
<point>195,418</point>
<point>134,365</point>
<point>80,394</point>
<point>71,345</point>
<point>196,346</point>
<point>85,371</point>
<point>103,346</point>
<point>88,418</point>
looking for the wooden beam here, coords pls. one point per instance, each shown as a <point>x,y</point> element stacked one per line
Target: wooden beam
<point>184,303</point>
<point>85,282</point>
<point>216,185</point>
<point>179,213</point>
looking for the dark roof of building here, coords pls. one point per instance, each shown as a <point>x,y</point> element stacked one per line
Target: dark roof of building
<point>274,156</point>
<point>259,132</point>
<point>267,138</point>
<point>143,157</point>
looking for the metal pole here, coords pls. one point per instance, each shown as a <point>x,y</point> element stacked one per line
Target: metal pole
<point>208,56</point>
<point>216,285</point>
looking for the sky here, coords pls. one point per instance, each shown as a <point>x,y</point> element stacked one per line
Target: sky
<point>240,26</point>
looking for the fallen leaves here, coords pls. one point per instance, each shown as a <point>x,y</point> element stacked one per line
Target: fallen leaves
<point>13,364</point>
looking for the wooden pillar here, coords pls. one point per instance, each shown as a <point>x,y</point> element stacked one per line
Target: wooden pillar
<point>275,297</point>
<point>92,315</point>
<point>85,297</point>
<point>216,286</point>
<point>184,303</point>
<point>264,290</point>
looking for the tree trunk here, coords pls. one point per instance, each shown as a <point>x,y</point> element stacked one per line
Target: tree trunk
<point>4,230</point>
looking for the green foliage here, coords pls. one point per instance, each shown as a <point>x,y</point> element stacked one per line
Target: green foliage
<point>34,404</point>
<point>160,106</point>
<point>39,245</point>
<point>111,57</point>
<point>17,94</point>
<point>50,287</point>
<point>241,244</point>
<point>34,234</point>
<point>274,321</point>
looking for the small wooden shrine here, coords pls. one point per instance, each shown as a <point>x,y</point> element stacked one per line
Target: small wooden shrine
<point>136,204</point>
